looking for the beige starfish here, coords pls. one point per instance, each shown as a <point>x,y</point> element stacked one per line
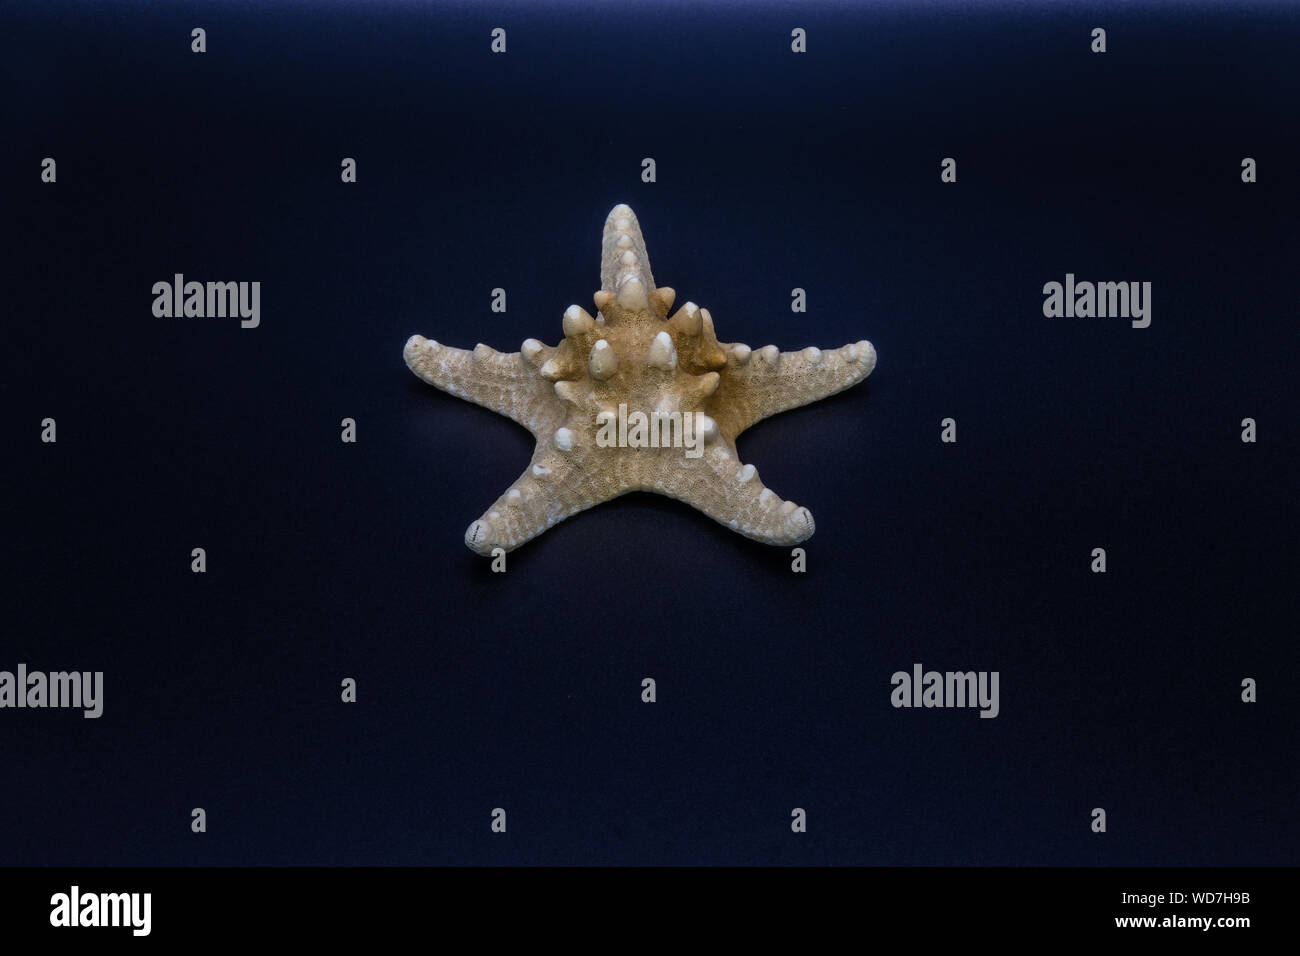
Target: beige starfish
<point>583,395</point>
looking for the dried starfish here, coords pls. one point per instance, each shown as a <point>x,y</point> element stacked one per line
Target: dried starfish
<point>633,356</point>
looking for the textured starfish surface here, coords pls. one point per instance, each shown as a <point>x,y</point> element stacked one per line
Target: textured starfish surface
<point>697,393</point>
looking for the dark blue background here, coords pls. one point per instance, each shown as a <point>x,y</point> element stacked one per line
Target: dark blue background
<point>521,690</point>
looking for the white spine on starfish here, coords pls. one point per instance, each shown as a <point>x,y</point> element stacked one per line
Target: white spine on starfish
<point>632,295</point>
<point>603,362</point>
<point>662,353</point>
<point>689,318</point>
<point>577,322</point>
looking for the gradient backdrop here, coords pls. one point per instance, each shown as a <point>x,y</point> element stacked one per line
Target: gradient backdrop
<point>522,690</point>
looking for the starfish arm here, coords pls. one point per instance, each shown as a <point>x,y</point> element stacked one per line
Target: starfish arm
<point>504,382</point>
<point>732,494</point>
<point>622,251</point>
<point>555,485</point>
<point>763,382</point>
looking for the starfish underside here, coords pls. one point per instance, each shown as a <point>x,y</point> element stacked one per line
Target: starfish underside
<point>633,354</point>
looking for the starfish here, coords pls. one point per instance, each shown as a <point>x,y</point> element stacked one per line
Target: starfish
<point>673,371</point>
